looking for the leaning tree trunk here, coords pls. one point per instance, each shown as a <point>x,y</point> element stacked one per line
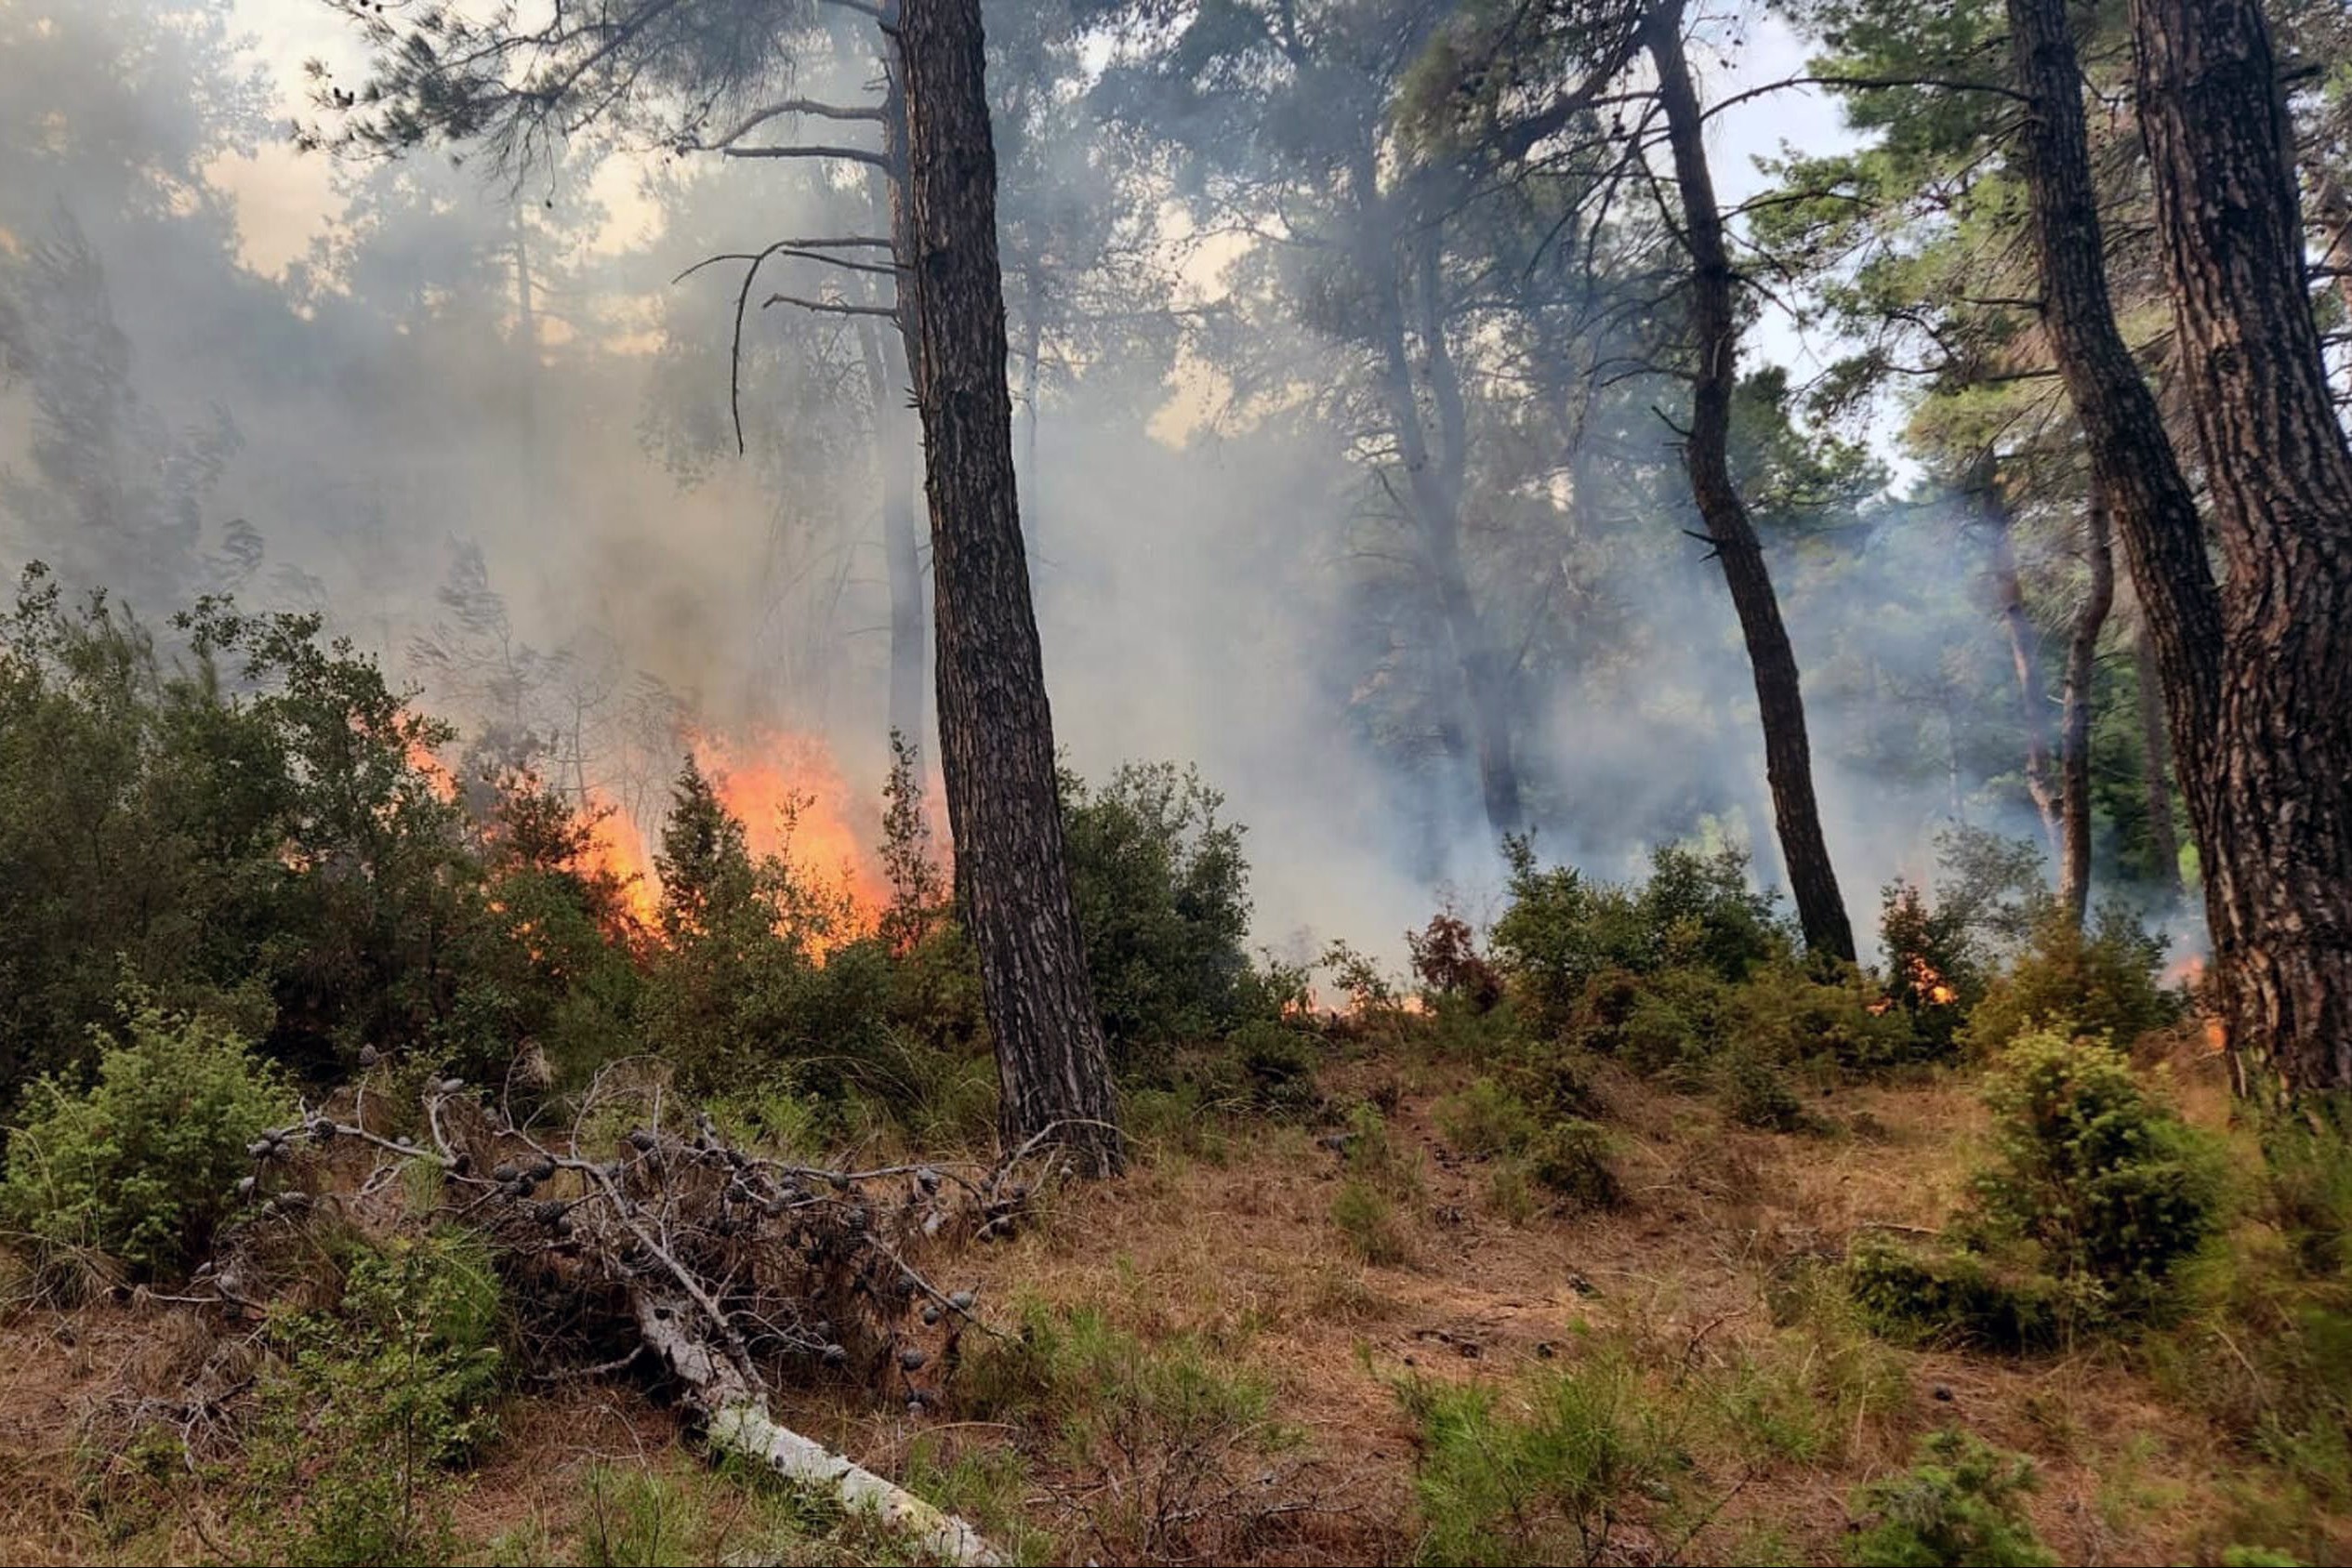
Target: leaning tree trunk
<point>1779,693</point>
<point>2163,838</point>
<point>2132,463</point>
<point>2083,651</point>
<point>996,728</point>
<point>2025,654</point>
<point>2221,152</point>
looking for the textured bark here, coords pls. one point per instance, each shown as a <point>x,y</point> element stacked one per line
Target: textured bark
<point>1780,691</point>
<point>2163,837</point>
<point>2278,872</point>
<point>1434,481</point>
<point>2083,652</point>
<point>2132,463</point>
<point>2025,653</point>
<point>884,375</point>
<point>888,380</point>
<point>995,727</point>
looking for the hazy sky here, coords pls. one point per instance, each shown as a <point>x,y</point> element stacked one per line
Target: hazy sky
<point>285,199</point>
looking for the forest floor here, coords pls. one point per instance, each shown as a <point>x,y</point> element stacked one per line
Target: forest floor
<point>1255,1381</point>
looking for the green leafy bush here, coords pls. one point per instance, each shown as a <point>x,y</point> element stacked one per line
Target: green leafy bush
<point>142,1166</point>
<point>1572,1158</point>
<point>1564,932</point>
<point>1547,1484</point>
<point>1487,1119</point>
<point>1947,1296</point>
<point>378,1403</point>
<point>1755,1094</point>
<point>2099,979</point>
<point>1163,901</point>
<point>1961,1504</point>
<point>1368,1218</point>
<point>2106,1184</point>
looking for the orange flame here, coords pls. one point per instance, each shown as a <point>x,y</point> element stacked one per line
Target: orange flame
<point>1927,983</point>
<point>423,759</point>
<point>794,804</point>
<point>617,846</point>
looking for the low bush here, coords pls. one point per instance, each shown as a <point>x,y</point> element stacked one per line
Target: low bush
<point>1572,1159</point>
<point>2106,1184</point>
<point>141,1165</point>
<point>1756,1094</point>
<point>1961,1504</point>
<point>2098,980</point>
<point>1950,1297</point>
<point>1368,1218</point>
<point>1547,1482</point>
<point>1163,904</point>
<point>1487,1119</point>
<point>377,1405</point>
<point>1563,931</point>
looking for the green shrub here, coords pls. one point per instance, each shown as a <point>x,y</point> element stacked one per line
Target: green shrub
<point>1961,1504</point>
<point>1547,1485</point>
<point>1163,903</point>
<point>2107,1185</point>
<point>1572,1158</point>
<point>2098,981</point>
<point>1487,1119</point>
<point>381,1401</point>
<point>1277,1064</point>
<point>1785,1013</point>
<point>142,1165</point>
<point>1950,1297</point>
<point>1755,1094</point>
<point>1367,1216</point>
<point>1562,931</point>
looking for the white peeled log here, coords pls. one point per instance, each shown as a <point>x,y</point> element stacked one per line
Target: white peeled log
<point>737,1422</point>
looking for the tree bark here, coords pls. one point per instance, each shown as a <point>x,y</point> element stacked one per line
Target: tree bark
<point>2025,654</point>
<point>2163,837</point>
<point>1780,691</point>
<point>996,727</point>
<point>1432,482</point>
<point>888,376</point>
<point>2083,651</point>
<point>2132,462</point>
<point>2278,874</point>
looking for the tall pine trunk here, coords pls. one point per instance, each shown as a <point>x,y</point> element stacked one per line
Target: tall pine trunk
<point>889,374</point>
<point>1433,484</point>
<point>996,728</point>
<point>2132,463</point>
<point>2083,653</point>
<point>2163,838</point>
<point>2025,652</point>
<point>1780,693</point>
<point>2221,152</point>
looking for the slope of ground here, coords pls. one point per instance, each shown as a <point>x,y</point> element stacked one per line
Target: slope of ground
<point>1195,1364</point>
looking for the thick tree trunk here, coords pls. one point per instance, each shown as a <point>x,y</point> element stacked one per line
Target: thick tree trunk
<point>1031,346</point>
<point>2025,653</point>
<point>2132,463</point>
<point>2083,653</point>
<point>995,727</point>
<point>2280,872</point>
<point>1433,483</point>
<point>2163,837</point>
<point>888,378</point>
<point>1779,693</point>
<point>902,560</point>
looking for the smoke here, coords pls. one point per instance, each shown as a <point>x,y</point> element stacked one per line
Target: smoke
<point>484,433</point>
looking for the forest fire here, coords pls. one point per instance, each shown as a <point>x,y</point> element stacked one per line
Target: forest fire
<point>794,805</point>
<point>1923,980</point>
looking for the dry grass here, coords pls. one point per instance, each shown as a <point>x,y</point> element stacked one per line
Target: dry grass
<point>1239,1256</point>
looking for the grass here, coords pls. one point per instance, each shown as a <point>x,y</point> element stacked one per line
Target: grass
<point>1684,1374</point>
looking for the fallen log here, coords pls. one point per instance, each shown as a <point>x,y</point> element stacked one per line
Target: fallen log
<point>736,1420</point>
